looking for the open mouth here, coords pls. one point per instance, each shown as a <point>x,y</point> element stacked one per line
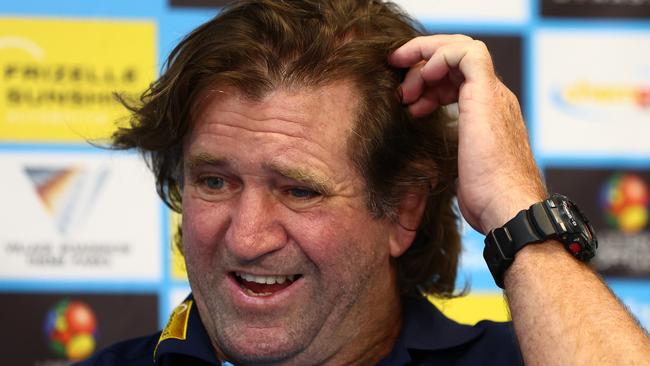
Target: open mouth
<point>263,285</point>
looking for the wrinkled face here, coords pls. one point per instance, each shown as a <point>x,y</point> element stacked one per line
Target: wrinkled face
<point>284,259</point>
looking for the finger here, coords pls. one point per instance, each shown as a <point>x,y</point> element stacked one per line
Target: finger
<point>413,84</point>
<point>470,57</point>
<point>426,104</point>
<point>456,78</point>
<point>421,48</point>
<point>443,93</point>
<point>447,91</point>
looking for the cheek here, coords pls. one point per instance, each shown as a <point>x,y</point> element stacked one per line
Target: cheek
<point>202,227</point>
<point>335,241</point>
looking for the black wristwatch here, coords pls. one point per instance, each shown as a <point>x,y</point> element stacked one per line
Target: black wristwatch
<point>554,218</point>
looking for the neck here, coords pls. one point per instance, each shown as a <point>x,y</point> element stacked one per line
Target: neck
<point>378,343</point>
<point>377,332</point>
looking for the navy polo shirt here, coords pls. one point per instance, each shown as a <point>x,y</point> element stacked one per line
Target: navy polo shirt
<point>427,338</point>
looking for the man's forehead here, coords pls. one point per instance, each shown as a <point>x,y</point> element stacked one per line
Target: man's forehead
<point>345,91</point>
<point>319,119</point>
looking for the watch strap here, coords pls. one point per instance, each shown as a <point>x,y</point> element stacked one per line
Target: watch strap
<point>553,218</point>
<point>527,227</point>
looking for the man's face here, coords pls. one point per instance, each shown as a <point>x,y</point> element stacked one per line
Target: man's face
<point>284,259</point>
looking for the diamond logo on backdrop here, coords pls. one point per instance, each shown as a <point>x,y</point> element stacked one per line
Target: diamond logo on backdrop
<point>71,329</point>
<point>67,193</point>
<point>625,199</point>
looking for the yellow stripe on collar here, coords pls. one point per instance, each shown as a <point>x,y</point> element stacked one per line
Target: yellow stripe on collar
<point>177,324</point>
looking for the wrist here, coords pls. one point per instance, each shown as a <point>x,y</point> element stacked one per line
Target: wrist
<point>506,209</point>
<point>553,220</point>
<point>533,258</point>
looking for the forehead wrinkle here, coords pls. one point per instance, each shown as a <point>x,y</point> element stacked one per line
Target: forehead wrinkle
<point>302,175</point>
<point>259,116</point>
<point>234,126</point>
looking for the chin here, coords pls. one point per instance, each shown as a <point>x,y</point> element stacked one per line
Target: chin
<point>259,346</point>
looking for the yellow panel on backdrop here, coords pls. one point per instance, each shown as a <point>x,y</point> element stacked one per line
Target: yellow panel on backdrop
<point>474,307</point>
<point>177,262</point>
<point>58,76</point>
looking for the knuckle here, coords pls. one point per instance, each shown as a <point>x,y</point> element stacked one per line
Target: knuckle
<point>480,46</point>
<point>481,52</point>
<point>462,37</point>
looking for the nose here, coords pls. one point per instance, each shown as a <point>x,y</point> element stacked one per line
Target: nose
<point>255,229</point>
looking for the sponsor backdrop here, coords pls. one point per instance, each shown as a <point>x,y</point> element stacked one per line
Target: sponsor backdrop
<point>85,255</point>
<point>48,329</point>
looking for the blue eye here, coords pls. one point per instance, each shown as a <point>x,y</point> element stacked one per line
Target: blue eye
<point>214,182</point>
<point>303,193</point>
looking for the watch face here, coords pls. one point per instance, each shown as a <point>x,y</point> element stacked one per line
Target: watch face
<point>568,214</point>
<point>576,219</point>
<point>579,236</point>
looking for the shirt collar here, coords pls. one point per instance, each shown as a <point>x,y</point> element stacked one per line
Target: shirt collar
<point>185,334</point>
<point>424,327</point>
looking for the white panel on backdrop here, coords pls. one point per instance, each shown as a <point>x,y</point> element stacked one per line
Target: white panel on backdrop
<point>593,92</point>
<point>176,296</point>
<point>78,216</point>
<point>514,11</point>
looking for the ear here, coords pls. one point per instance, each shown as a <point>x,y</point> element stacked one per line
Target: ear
<point>409,215</point>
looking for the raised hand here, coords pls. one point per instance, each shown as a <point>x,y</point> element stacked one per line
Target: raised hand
<point>497,173</point>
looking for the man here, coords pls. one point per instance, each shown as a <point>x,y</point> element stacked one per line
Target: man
<point>304,144</point>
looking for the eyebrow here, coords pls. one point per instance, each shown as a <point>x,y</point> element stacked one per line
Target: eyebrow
<point>207,159</point>
<point>312,179</point>
<point>308,177</point>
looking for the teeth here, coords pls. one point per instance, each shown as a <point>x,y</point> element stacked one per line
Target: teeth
<point>255,294</point>
<point>269,280</point>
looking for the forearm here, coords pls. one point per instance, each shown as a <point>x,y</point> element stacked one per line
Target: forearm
<point>564,314</point>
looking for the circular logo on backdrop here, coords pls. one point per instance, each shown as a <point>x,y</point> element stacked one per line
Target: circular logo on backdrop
<point>625,200</point>
<point>71,329</point>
